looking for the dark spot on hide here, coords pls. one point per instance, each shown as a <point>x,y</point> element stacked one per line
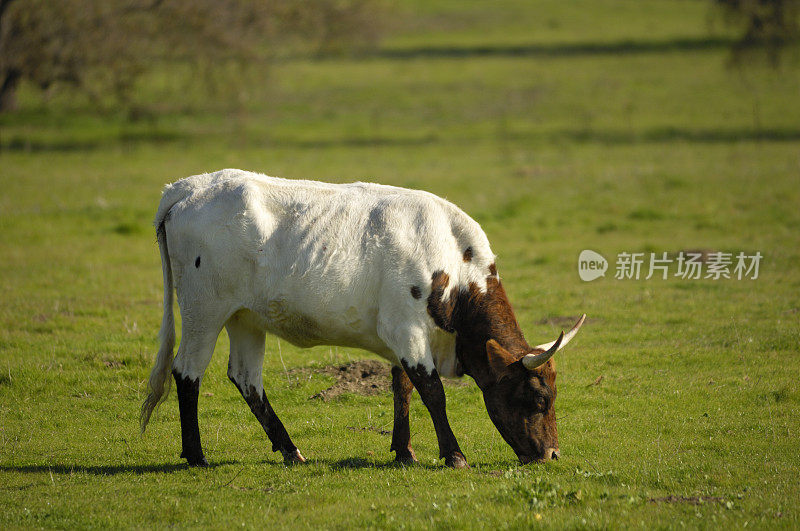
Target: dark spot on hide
<point>197,262</point>
<point>468,254</point>
<point>415,292</point>
<point>493,270</point>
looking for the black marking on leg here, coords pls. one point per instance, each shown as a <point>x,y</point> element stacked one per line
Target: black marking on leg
<point>188,392</point>
<point>197,262</point>
<point>401,433</point>
<point>430,389</point>
<point>416,292</point>
<point>266,416</point>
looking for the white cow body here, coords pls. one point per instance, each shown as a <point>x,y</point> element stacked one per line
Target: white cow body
<point>315,264</point>
<point>401,273</point>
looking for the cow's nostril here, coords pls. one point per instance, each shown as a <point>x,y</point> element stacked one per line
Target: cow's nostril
<point>550,454</point>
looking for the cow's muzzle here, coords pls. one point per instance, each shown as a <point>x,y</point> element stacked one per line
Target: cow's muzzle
<point>550,454</point>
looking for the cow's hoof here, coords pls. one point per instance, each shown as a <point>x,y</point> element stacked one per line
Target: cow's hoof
<point>293,458</point>
<point>456,460</point>
<point>199,461</point>
<point>405,458</point>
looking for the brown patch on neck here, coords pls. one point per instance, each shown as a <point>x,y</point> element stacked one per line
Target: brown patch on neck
<point>484,316</point>
<point>438,308</point>
<point>468,254</point>
<point>476,317</point>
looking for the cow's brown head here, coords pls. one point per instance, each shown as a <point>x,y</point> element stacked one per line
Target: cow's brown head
<point>520,400</point>
<point>518,381</point>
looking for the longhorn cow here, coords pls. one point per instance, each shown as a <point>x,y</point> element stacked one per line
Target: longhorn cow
<point>402,273</point>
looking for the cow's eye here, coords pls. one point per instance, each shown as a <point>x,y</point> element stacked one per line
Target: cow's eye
<point>524,398</point>
<point>541,403</point>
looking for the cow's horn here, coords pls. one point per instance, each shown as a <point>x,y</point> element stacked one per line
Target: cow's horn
<point>567,337</point>
<point>531,361</point>
<point>544,352</point>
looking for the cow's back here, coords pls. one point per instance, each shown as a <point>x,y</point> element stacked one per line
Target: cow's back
<point>318,263</point>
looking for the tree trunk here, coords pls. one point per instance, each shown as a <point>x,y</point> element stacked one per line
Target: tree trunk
<point>8,90</point>
<point>9,79</point>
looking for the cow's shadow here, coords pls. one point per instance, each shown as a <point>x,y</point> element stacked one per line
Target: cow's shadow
<point>105,470</point>
<point>168,468</point>
<point>349,463</point>
<point>358,463</point>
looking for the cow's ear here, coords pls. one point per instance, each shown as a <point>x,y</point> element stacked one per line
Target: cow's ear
<point>499,359</point>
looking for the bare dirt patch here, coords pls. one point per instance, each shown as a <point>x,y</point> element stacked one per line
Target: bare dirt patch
<point>363,377</point>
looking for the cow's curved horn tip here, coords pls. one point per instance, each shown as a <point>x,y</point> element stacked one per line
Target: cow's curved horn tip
<point>559,340</point>
<point>556,345</point>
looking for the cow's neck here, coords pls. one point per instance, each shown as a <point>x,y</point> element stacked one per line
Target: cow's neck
<point>481,316</point>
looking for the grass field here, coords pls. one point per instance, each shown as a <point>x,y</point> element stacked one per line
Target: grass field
<point>613,126</point>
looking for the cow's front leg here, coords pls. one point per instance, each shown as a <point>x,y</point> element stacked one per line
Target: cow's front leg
<point>430,389</point>
<point>401,434</point>
<point>244,370</point>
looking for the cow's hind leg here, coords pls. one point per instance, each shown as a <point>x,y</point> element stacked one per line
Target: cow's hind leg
<point>401,434</point>
<point>244,370</point>
<point>188,367</point>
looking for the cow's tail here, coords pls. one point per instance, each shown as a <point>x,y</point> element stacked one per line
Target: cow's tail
<point>159,382</point>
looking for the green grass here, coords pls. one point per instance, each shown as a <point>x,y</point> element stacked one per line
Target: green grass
<point>611,126</point>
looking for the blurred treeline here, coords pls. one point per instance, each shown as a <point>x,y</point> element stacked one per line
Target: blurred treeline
<point>101,48</point>
<point>767,26</point>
